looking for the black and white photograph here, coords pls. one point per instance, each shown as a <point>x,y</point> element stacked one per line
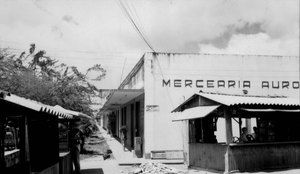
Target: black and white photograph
<point>149,86</point>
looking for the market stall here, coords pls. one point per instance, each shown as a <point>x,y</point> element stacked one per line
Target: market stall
<point>80,121</point>
<point>29,136</point>
<point>65,163</point>
<point>277,137</point>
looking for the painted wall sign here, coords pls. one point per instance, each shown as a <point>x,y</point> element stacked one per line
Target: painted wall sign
<point>152,108</point>
<point>188,83</point>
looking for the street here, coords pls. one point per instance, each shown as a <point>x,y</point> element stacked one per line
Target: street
<point>95,164</point>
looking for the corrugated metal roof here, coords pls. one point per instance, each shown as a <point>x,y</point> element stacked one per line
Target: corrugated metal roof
<point>74,113</point>
<point>242,100</point>
<point>271,110</point>
<point>36,106</point>
<point>231,100</point>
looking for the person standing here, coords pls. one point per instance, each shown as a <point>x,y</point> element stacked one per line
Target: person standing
<point>123,131</point>
<point>255,134</point>
<point>243,137</point>
<point>75,141</point>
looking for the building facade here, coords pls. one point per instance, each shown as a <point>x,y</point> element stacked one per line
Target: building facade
<point>161,81</point>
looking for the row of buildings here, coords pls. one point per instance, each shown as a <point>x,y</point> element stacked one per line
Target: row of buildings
<point>191,106</point>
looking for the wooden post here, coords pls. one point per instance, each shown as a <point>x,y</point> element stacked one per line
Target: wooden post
<point>248,125</point>
<point>226,158</point>
<point>185,134</point>
<point>240,126</point>
<point>228,127</point>
<point>25,154</point>
<point>228,139</point>
<point>2,137</point>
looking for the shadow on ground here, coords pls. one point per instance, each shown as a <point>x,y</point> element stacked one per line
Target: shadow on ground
<point>92,171</point>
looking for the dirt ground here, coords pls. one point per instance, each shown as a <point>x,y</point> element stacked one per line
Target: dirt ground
<point>91,159</point>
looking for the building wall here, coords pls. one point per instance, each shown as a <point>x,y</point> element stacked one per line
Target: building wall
<point>172,78</point>
<point>131,121</point>
<point>135,79</point>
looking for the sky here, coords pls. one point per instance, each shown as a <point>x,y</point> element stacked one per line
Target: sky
<point>86,32</point>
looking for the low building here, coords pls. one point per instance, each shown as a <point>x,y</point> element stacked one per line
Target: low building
<point>161,81</point>
<point>30,139</point>
<point>275,143</point>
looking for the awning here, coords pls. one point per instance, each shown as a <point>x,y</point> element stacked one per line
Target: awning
<point>120,97</point>
<point>193,113</point>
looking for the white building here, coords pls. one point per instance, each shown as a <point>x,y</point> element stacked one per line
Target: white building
<point>161,81</point>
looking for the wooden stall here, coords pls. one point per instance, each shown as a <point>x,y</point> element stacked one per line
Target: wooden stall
<point>82,122</point>
<point>277,135</point>
<point>29,136</point>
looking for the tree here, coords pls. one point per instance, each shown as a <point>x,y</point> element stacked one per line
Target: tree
<point>38,77</point>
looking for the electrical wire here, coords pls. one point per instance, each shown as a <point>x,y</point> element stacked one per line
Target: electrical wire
<point>83,51</point>
<point>91,55</point>
<point>135,25</point>
<point>123,70</point>
<point>136,18</point>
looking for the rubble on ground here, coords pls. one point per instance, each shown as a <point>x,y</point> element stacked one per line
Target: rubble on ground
<point>155,168</point>
<point>107,154</point>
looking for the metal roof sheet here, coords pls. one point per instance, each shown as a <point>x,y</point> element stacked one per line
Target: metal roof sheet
<point>193,113</point>
<point>36,106</point>
<point>73,113</point>
<point>241,100</point>
<point>231,100</point>
<point>271,110</point>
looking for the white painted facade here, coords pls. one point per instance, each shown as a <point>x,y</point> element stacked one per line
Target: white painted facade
<point>189,73</point>
<point>169,79</point>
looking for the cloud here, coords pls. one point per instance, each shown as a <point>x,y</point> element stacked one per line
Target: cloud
<point>69,19</point>
<point>56,30</point>
<point>171,26</point>
<point>222,41</point>
<point>270,28</point>
<point>106,36</point>
<point>174,27</point>
<point>22,13</point>
<point>255,44</point>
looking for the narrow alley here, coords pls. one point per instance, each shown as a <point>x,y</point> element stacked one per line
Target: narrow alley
<point>120,161</point>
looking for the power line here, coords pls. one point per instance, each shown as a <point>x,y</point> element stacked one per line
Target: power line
<point>123,70</point>
<point>101,60</point>
<point>82,51</point>
<point>136,18</point>
<point>8,44</point>
<point>134,24</point>
<point>110,56</point>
